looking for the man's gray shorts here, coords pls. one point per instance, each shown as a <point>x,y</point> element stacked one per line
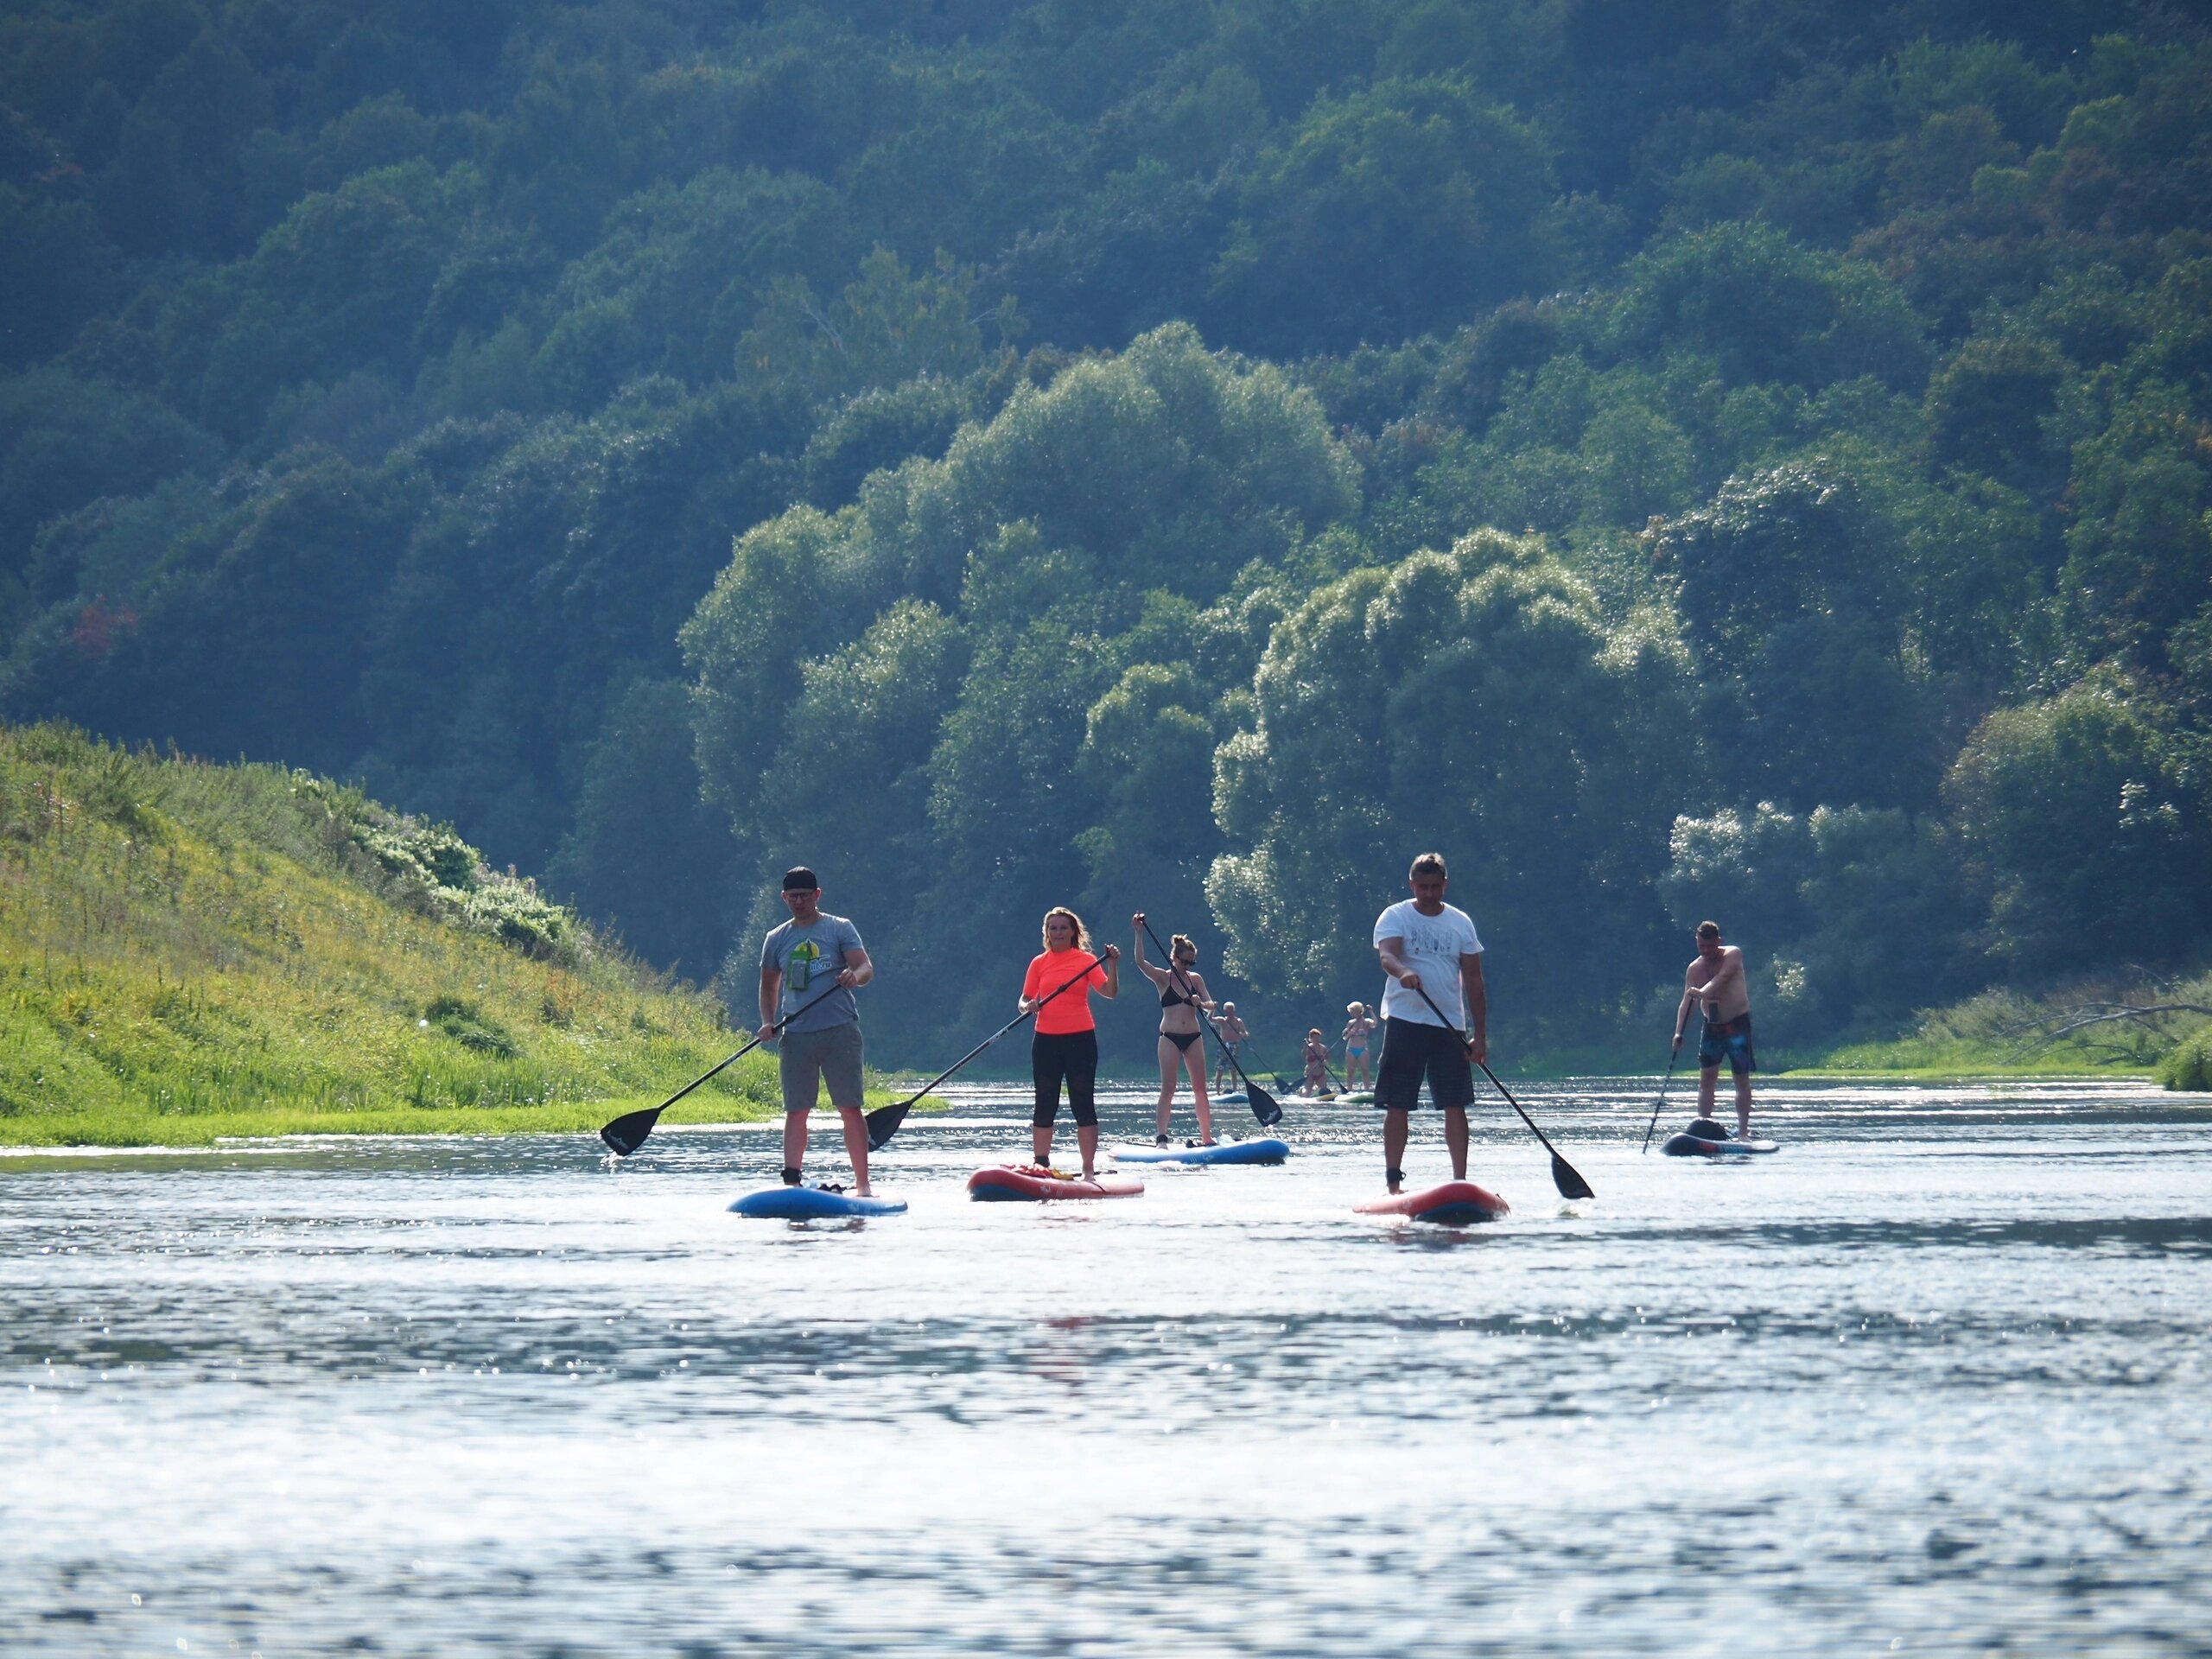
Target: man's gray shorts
<point>808,1058</point>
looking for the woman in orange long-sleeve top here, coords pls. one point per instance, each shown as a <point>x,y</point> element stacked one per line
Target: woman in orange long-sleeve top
<point>1064,1047</point>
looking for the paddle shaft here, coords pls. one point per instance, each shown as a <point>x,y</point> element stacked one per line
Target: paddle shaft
<point>1561,1170</point>
<point>1672,1055</point>
<point>653,1115</point>
<point>895,1113</point>
<point>1263,1105</point>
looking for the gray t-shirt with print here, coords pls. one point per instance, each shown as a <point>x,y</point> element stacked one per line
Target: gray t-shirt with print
<point>810,957</point>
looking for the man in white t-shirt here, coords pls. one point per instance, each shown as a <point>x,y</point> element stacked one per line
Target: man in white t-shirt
<point>1428,945</point>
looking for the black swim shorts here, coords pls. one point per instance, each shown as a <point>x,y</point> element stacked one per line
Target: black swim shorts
<point>1411,1050</point>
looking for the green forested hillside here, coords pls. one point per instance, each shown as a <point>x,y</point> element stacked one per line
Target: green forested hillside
<point>1678,459</point>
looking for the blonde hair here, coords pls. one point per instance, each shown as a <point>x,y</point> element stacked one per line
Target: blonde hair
<point>1355,1009</point>
<point>1082,940</point>
<point>1179,944</point>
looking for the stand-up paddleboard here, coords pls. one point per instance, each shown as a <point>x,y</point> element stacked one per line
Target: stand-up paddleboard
<point>1707,1139</point>
<point>1455,1204</point>
<point>1238,1098</point>
<point>1355,1097</point>
<point>1229,1152</point>
<point>811,1204</point>
<point>1028,1183</point>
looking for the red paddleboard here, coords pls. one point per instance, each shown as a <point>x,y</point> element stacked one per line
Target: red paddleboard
<point>1454,1205</point>
<point>1028,1183</point>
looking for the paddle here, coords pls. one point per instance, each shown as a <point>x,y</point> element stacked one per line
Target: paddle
<point>883,1122</point>
<point>1564,1176</point>
<point>1263,1105</point>
<point>627,1133</point>
<point>1672,1055</point>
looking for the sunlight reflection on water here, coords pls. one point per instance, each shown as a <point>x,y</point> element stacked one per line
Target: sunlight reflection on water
<point>1932,1376</point>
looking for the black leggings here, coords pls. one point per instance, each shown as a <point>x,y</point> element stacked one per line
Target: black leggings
<point>1072,1055</point>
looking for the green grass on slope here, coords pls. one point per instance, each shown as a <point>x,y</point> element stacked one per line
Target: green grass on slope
<point>188,951</point>
<point>2004,1033</point>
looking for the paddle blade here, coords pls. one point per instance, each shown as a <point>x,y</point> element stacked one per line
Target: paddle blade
<point>883,1122</point>
<point>627,1133</point>
<point>1263,1105</point>
<point>1570,1184</point>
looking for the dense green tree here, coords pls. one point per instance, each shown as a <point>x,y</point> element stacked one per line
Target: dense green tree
<point>2095,839</point>
<point>1791,593</point>
<point>1452,185</point>
<point>646,853</point>
<point>1476,702</point>
<point>1850,918</point>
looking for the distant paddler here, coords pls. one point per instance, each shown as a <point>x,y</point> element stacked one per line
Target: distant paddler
<point>1064,1045</point>
<point>1315,1084</point>
<point>1359,1026</point>
<point>1426,944</point>
<point>821,1041</point>
<point>1182,1045</point>
<point>1714,982</point>
<point>1230,1030</point>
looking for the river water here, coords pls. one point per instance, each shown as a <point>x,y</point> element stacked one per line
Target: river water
<point>1932,1379</point>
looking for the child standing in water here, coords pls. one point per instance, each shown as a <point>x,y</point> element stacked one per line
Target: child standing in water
<point>1357,1029</point>
<point>1316,1063</point>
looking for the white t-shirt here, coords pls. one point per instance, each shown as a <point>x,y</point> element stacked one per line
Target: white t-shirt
<point>1433,947</point>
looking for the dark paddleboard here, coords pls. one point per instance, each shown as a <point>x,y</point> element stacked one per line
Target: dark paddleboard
<point>1707,1139</point>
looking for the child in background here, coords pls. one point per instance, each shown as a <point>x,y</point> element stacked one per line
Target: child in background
<point>1357,1029</point>
<point>1316,1063</point>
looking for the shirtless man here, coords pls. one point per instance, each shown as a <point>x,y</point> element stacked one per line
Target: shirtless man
<point>1716,979</point>
<point>1229,1030</point>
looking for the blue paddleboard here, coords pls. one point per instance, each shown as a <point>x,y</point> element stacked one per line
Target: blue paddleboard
<point>811,1204</point>
<point>1229,1152</point>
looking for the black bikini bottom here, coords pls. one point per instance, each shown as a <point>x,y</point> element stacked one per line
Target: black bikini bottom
<point>1183,1040</point>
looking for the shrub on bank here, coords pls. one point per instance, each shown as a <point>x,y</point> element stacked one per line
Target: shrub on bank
<point>2190,1066</point>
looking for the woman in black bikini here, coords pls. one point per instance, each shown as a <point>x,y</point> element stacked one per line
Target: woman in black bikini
<point>1182,995</point>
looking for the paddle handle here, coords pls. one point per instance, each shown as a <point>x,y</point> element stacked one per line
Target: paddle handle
<point>749,1047</point>
<point>1093,964</point>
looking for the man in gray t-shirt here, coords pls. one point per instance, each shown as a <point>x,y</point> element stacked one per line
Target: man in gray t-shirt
<point>810,967</point>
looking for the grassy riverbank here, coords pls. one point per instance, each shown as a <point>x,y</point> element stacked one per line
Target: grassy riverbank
<point>189,951</point>
<point>2091,1029</point>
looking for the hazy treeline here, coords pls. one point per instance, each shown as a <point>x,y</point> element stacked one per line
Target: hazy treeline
<point>1677,458</point>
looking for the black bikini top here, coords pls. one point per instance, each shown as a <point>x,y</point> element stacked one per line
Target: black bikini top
<point>1170,999</point>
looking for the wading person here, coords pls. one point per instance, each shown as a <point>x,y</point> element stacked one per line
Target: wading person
<point>1715,982</point>
<point>1230,1031</point>
<point>1316,1081</point>
<point>1426,944</point>
<point>1359,1026</point>
<point>1182,1037</point>
<point>797,959</point>
<point>1064,1047</point>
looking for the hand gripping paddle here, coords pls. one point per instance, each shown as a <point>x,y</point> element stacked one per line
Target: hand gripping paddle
<point>883,1122</point>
